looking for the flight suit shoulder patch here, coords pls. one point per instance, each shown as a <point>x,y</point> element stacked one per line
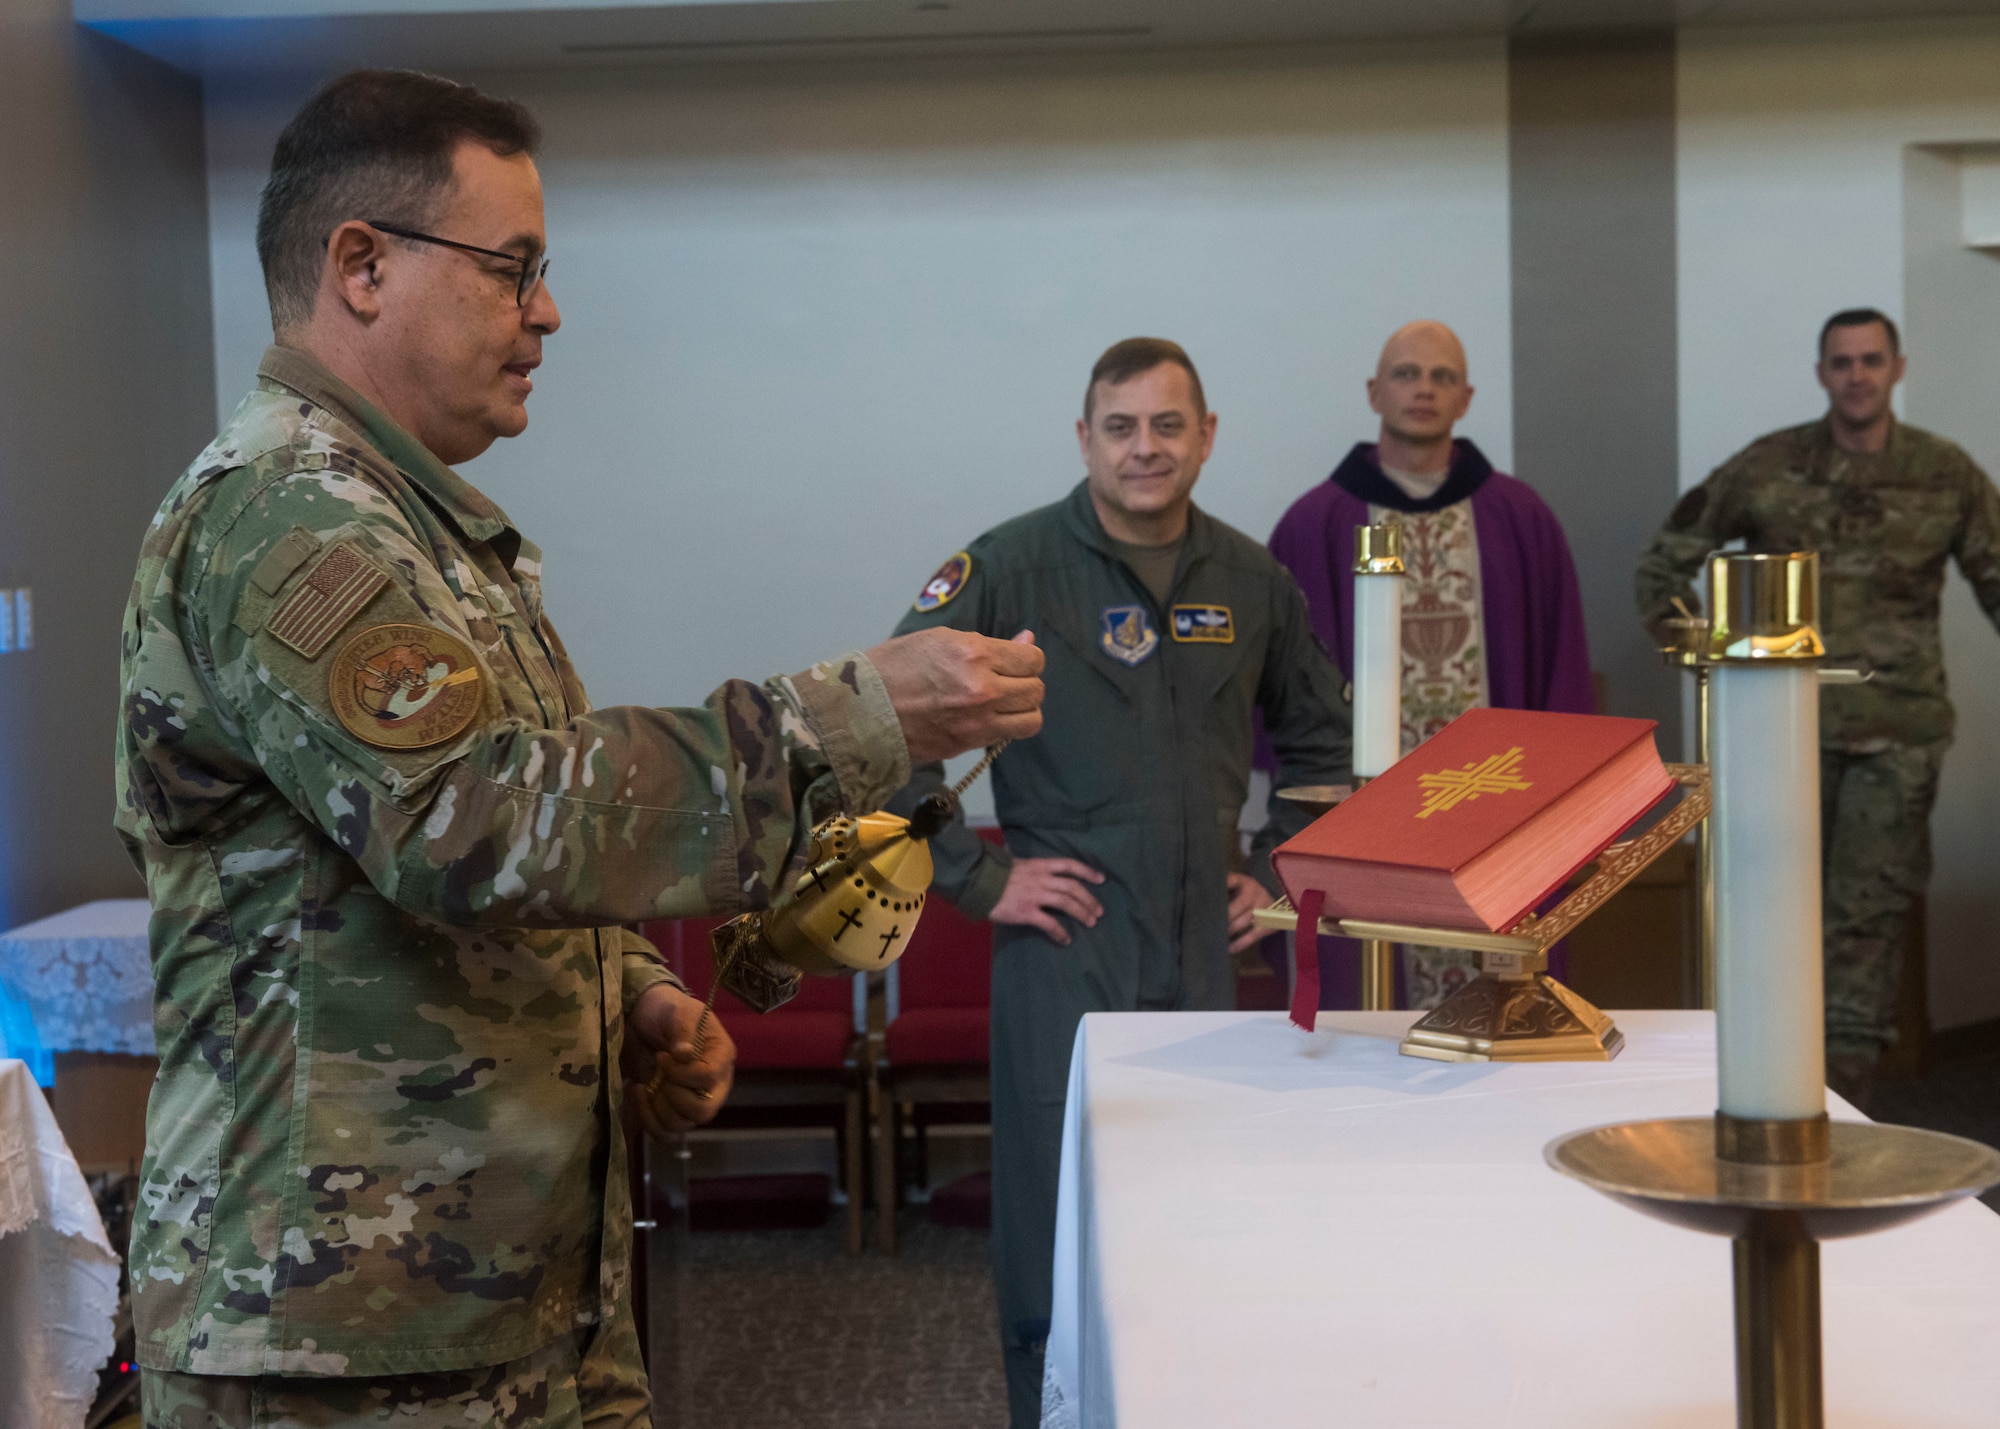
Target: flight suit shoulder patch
<point>948,582</point>
<point>341,582</point>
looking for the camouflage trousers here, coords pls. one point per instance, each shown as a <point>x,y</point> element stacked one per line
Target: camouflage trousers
<point>593,1380</point>
<point>1875,851</point>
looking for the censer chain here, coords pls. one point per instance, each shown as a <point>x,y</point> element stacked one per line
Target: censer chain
<point>992,753</point>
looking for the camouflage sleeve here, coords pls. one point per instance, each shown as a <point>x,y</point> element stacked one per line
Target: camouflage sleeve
<point>1977,547</point>
<point>1309,722</point>
<point>1668,566</point>
<point>612,816</point>
<point>641,967</point>
<point>971,872</point>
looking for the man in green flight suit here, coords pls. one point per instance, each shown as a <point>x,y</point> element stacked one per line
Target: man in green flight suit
<point>1885,505</point>
<point>1119,888</point>
<point>390,846</point>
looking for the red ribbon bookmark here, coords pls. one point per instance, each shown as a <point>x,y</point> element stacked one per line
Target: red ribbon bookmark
<point>1305,954</point>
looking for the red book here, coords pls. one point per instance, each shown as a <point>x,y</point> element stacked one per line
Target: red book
<point>1481,822</point>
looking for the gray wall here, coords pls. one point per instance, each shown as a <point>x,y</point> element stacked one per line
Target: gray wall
<point>107,389</point>
<point>1952,330</point>
<point>1590,130</point>
<point>845,312</point>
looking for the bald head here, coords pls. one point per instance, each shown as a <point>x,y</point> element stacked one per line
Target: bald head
<point>1426,343</point>
<point>1420,391</point>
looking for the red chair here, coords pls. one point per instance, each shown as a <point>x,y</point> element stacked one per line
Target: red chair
<point>797,1065</point>
<point>930,1065</point>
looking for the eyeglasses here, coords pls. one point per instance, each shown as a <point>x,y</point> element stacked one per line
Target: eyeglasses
<point>532,271</point>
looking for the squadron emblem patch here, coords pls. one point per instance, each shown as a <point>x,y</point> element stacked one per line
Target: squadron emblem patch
<point>948,582</point>
<point>1203,624</point>
<point>333,593</point>
<point>404,686</point>
<point>1128,635</point>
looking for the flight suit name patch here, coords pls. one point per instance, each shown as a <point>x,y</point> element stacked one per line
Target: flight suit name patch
<point>1204,625</point>
<point>1128,635</point>
<point>404,686</point>
<point>948,582</point>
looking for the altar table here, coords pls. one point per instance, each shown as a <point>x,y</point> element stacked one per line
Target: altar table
<point>85,976</point>
<point>58,1273</point>
<point>1259,1226</point>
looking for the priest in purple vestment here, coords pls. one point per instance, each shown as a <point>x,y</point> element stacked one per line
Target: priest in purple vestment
<point>1491,610</point>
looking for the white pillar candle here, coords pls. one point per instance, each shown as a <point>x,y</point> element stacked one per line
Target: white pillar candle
<point>1378,673</point>
<point>1764,751</point>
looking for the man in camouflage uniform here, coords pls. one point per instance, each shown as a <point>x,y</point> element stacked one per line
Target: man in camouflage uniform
<point>1885,505</point>
<point>390,846</point>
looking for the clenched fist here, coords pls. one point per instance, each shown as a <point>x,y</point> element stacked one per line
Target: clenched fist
<point>956,691</point>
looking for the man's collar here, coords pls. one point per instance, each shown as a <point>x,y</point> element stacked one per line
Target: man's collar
<point>1360,476</point>
<point>1085,525</point>
<point>1823,438</point>
<point>469,508</point>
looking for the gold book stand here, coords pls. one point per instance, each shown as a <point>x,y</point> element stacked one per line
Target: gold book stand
<point>1514,1011</point>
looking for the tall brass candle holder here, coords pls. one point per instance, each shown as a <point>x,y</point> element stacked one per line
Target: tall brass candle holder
<point>1688,647</point>
<point>1378,703</point>
<point>1770,1170</point>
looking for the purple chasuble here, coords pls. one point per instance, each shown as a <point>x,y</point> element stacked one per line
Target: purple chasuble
<point>1531,605</point>
<point>1536,658</point>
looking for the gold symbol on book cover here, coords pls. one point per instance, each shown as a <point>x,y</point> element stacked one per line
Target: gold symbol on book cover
<point>1448,788</point>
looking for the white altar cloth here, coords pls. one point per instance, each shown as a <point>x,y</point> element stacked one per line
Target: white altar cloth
<point>58,1273</point>
<point>86,976</point>
<point>1257,1226</point>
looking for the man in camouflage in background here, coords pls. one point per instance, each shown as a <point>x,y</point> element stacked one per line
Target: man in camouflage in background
<point>1885,505</point>
<point>390,846</point>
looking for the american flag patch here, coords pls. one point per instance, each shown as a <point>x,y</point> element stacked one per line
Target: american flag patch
<point>332,594</point>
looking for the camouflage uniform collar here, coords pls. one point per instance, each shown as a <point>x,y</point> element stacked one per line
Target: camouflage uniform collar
<point>1081,517</point>
<point>1828,448</point>
<point>468,508</point>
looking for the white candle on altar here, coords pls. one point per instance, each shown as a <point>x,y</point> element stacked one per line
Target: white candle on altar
<point>1764,754</point>
<point>1378,673</point>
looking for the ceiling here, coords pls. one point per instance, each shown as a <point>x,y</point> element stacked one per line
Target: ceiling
<point>215,38</point>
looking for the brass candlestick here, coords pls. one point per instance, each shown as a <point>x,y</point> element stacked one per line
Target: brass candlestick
<point>1378,719</point>
<point>1690,646</point>
<point>1776,1186</point>
<point>1863,1178</point>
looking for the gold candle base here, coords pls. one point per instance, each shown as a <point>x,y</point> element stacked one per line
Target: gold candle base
<point>1777,1212</point>
<point>1770,1142</point>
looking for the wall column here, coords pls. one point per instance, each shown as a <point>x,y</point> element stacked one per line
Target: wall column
<point>1590,129</point>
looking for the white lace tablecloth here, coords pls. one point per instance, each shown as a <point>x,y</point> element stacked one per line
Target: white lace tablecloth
<point>86,977</point>
<point>58,1274</point>
<point>1258,1226</point>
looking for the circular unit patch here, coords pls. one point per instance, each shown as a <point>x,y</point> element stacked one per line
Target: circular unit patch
<point>405,686</point>
<point>948,582</point>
